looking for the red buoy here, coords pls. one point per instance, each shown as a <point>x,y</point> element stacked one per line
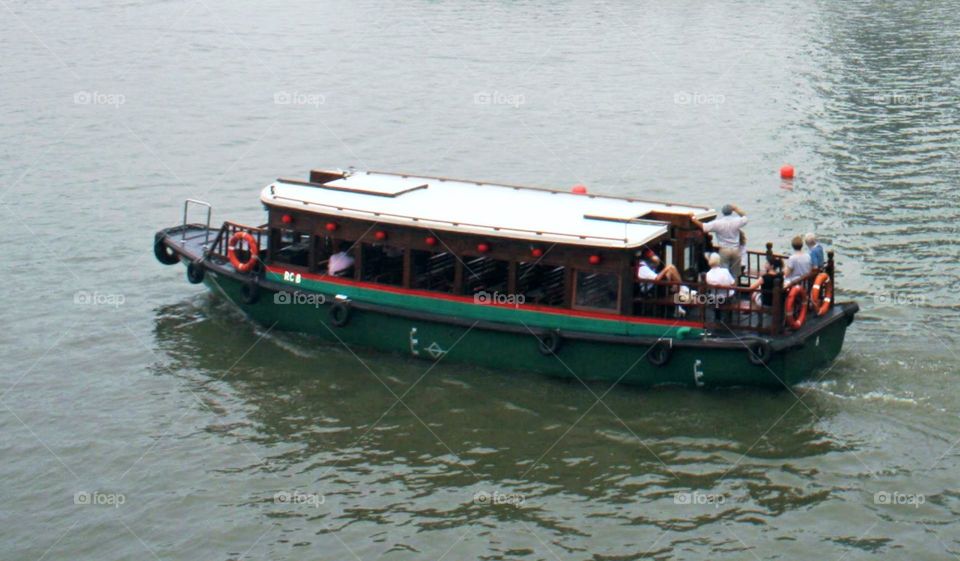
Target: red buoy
<point>786,171</point>
<point>579,189</point>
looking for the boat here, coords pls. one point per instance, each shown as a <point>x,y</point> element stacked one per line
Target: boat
<point>512,278</point>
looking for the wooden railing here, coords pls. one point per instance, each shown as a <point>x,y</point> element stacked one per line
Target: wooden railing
<point>228,229</point>
<point>726,309</point>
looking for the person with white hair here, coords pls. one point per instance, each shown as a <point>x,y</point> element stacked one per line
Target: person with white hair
<point>727,230</point>
<point>817,258</point>
<point>719,276</point>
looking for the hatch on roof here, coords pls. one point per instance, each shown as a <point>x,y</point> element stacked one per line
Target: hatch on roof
<point>378,185</point>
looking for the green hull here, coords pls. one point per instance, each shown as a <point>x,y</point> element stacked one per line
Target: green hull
<point>393,324</point>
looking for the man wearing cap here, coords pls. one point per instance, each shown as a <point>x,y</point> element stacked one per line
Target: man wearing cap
<point>727,230</point>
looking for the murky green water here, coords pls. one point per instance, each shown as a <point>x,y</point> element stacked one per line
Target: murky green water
<point>145,419</point>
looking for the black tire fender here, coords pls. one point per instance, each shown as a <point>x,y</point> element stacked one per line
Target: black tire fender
<point>549,342</point>
<point>339,313</point>
<point>660,353</point>
<point>759,352</point>
<point>195,272</point>
<point>163,253</point>
<point>250,292</point>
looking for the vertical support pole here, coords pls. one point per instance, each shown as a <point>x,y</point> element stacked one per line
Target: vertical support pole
<point>407,267</point>
<point>358,260</point>
<point>777,326</point>
<point>457,276</point>
<point>833,281</point>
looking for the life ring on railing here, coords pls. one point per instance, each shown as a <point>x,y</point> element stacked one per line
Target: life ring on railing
<point>243,266</point>
<point>796,307</point>
<point>821,295</point>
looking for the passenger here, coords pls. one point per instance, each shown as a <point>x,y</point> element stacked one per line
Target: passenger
<point>719,276</point>
<point>798,265</point>
<point>817,258</point>
<point>340,262</point>
<point>763,286</point>
<point>727,229</point>
<point>647,270</point>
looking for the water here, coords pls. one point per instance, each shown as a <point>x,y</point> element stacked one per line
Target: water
<point>203,436</point>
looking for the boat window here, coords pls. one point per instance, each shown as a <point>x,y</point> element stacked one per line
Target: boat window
<point>432,271</point>
<point>483,274</point>
<point>291,248</point>
<point>382,264</point>
<point>597,290</point>
<point>323,249</point>
<point>541,284</point>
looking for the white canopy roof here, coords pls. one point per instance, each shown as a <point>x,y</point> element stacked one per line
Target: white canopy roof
<point>454,205</point>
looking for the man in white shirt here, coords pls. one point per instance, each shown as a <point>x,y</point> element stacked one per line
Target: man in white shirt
<point>798,265</point>
<point>719,276</point>
<point>340,262</point>
<point>727,230</point>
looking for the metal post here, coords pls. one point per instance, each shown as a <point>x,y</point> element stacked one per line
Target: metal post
<point>830,271</point>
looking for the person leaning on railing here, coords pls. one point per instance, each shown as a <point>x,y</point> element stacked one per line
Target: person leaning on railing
<point>817,259</point>
<point>762,287</point>
<point>798,265</point>
<point>727,229</point>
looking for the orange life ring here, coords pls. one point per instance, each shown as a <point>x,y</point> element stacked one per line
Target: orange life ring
<point>243,266</point>
<point>796,307</point>
<point>822,294</point>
